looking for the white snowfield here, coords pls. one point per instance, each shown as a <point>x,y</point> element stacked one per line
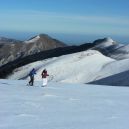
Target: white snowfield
<point>62,106</point>
<point>81,67</point>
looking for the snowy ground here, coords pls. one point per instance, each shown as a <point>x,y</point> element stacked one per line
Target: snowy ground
<point>62,106</point>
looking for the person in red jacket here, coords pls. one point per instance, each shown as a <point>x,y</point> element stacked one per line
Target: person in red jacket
<point>44,77</point>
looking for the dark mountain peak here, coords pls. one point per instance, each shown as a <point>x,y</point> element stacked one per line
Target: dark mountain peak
<point>43,36</point>
<point>108,39</point>
<point>45,42</point>
<point>39,36</point>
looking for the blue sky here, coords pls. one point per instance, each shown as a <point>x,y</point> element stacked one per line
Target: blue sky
<point>65,19</point>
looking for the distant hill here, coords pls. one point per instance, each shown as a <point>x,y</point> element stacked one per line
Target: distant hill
<point>112,49</point>
<point>11,49</point>
<point>8,40</point>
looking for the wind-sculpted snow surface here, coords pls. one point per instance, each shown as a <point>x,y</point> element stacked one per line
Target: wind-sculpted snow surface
<point>62,106</point>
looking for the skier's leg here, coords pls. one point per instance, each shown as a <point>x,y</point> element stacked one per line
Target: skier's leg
<point>32,81</point>
<point>44,81</point>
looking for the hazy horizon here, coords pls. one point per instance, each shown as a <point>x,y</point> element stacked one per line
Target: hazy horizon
<point>67,20</point>
<point>66,38</point>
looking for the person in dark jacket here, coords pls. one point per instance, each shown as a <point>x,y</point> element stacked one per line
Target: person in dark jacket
<point>44,77</point>
<point>31,74</point>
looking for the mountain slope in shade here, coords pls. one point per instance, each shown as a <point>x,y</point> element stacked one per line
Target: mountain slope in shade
<point>119,79</point>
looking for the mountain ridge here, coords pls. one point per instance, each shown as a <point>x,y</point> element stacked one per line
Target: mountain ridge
<point>98,45</point>
<point>11,49</point>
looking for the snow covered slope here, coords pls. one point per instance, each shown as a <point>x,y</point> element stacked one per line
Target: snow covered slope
<point>111,48</point>
<point>62,106</point>
<point>104,43</point>
<point>121,53</point>
<point>82,67</point>
<point>79,67</point>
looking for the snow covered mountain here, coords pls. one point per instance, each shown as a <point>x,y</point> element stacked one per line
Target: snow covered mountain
<point>110,48</point>
<point>82,67</point>
<point>120,53</point>
<point>106,46</point>
<point>62,106</point>
<point>42,42</point>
